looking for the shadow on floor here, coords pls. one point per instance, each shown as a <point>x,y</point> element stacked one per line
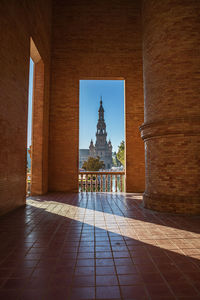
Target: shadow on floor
<point>97,246</point>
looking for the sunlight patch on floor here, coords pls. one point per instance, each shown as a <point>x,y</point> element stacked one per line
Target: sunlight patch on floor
<point>153,234</point>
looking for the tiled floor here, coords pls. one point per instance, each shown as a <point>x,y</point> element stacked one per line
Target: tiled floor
<point>97,246</point>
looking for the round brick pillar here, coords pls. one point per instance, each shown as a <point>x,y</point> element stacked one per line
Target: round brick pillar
<point>171,129</point>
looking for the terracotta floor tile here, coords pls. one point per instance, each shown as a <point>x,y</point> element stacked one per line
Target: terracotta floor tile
<point>123,261</point>
<point>128,269</point>
<point>82,293</point>
<point>32,294</point>
<point>101,262</point>
<point>130,279</point>
<point>57,293</point>
<point>134,292</point>
<point>121,254</point>
<point>83,281</point>
<point>85,262</point>
<point>183,289</point>
<point>105,270</point>
<point>86,255</point>
<point>106,280</point>
<point>84,271</point>
<point>105,292</point>
<point>104,254</point>
<point>158,290</point>
<point>151,278</point>
<point>173,276</point>
<point>193,276</point>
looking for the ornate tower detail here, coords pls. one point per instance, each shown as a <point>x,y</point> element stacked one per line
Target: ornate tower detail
<point>92,149</point>
<point>101,128</point>
<point>102,148</point>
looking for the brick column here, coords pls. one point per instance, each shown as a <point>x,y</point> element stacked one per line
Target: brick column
<point>171,129</point>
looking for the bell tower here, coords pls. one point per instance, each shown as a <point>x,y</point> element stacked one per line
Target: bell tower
<point>102,148</point>
<point>101,133</point>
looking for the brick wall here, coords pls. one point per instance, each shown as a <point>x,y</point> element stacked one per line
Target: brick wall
<point>172,107</point>
<point>93,40</point>
<point>19,20</point>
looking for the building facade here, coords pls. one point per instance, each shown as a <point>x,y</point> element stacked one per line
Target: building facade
<point>83,156</point>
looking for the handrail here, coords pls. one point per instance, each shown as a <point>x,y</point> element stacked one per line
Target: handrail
<point>103,172</point>
<point>99,181</point>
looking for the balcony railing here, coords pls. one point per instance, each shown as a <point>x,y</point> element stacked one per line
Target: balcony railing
<point>101,181</point>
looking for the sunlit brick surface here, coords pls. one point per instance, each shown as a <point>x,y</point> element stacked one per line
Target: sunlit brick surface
<point>97,246</point>
<point>171,88</point>
<point>94,40</point>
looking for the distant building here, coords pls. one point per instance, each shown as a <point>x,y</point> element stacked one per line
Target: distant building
<point>102,148</point>
<point>83,156</point>
<point>28,159</point>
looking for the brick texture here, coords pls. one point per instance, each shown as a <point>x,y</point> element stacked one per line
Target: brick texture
<point>172,109</point>
<point>94,40</point>
<point>19,22</point>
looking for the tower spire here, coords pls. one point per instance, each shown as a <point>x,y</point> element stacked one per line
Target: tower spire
<point>102,148</point>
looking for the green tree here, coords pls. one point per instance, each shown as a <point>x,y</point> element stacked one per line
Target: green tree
<point>120,153</point>
<point>116,162</point>
<point>93,164</point>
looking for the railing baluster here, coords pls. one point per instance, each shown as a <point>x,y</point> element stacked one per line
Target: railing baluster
<point>96,183</point>
<point>116,183</point>
<point>81,183</point>
<point>91,186</point>
<point>101,183</point>
<point>121,176</point>
<point>111,187</point>
<point>106,182</point>
<point>86,183</point>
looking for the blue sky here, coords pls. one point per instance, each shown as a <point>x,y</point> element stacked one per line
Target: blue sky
<point>30,93</point>
<point>112,92</point>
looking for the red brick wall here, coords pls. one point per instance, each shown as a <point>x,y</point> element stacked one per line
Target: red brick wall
<point>19,20</point>
<point>93,39</point>
<point>172,107</point>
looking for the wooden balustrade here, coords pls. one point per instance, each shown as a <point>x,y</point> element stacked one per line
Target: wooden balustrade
<point>101,181</point>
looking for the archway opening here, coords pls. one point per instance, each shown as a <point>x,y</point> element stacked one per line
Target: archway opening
<point>35,122</point>
<point>29,127</point>
<point>101,135</point>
